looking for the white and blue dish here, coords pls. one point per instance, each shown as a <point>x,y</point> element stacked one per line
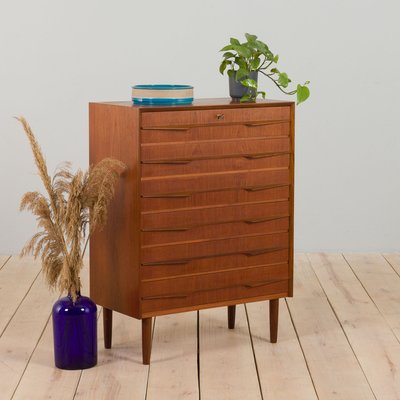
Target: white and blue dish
<point>162,94</point>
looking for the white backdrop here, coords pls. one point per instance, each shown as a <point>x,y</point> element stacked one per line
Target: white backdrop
<point>57,55</point>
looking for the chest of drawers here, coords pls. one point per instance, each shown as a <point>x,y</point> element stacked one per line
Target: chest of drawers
<point>203,216</point>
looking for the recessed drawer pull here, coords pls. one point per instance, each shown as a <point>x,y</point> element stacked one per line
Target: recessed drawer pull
<point>176,229</point>
<point>166,296</point>
<point>168,262</point>
<point>259,220</point>
<point>258,284</point>
<point>264,155</point>
<point>167,195</point>
<point>167,128</point>
<point>167,162</point>
<point>262,251</point>
<point>264,187</point>
<point>262,123</point>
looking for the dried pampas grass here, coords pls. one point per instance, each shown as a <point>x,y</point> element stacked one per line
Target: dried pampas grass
<point>73,201</point>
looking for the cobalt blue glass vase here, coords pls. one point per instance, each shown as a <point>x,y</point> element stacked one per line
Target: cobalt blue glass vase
<point>75,333</point>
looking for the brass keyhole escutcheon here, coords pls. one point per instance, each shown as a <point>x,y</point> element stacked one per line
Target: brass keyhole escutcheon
<point>220,117</point>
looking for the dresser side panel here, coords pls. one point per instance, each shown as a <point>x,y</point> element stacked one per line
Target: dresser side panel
<point>291,198</point>
<point>115,250</point>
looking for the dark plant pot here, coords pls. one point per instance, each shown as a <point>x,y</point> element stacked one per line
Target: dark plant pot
<point>237,90</point>
<point>75,333</point>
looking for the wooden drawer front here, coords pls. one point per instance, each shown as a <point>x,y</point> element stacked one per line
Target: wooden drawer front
<point>184,252</point>
<point>248,277</point>
<point>269,193</point>
<point>185,152</point>
<point>239,293</point>
<point>187,185</point>
<point>215,165</point>
<point>251,130</point>
<point>221,116</point>
<point>210,230</point>
<point>213,264</point>
<point>247,213</point>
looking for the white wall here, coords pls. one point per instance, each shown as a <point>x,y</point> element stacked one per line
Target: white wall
<point>56,56</point>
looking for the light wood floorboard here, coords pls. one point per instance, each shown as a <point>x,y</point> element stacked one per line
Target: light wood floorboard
<point>289,377</point>
<point>372,340</point>
<point>381,283</point>
<point>338,339</point>
<point>334,368</point>
<point>49,382</point>
<point>22,335</point>
<point>227,366</point>
<point>173,369</point>
<point>16,278</point>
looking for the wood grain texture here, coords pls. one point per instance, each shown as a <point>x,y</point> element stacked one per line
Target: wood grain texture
<point>220,116</point>
<point>214,132</point>
<point>226,374</point>
<point>394,260</point>
<point>372,340</point>
<point>334,368</point>
<point>23,333</point>
<point>381,283</point>
<point>114,251</point>
<point>281,367</point>
<point>16,278</point>
<point>41,379</point>
<point>119,373</point>
<point>173,369</point>
<point>3,261</point>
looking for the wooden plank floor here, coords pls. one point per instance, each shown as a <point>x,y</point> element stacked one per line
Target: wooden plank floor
<point>339,338</point>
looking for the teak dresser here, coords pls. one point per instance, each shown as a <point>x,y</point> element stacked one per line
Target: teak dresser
<point>203,215</point>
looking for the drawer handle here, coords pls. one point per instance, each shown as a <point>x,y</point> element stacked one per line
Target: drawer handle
<point>259,220</point>
<point>168,262</point>
<point>167,128</point>
<point>264,187</point>
<point>166,296</point>
<point>259,284</point>
<point>167,196</point>
<point>262,251</point>
<point>167,162</point>
<point>220,117</point>
<point>264,155</point>
<point>177,229</point>
<point>262,123</point>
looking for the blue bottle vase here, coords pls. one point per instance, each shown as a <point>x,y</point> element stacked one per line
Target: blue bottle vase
<point>75,333</point>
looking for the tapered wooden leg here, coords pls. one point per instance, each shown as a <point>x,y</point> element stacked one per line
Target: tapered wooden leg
<point>231,316</point>
<point>107,326</point>
<point>273,319</point>
<point>146,340</point>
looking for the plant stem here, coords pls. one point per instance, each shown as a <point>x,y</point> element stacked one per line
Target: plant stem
<point>277,84</point>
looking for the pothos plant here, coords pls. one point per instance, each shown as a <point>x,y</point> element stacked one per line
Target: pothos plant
<point>240,59</point>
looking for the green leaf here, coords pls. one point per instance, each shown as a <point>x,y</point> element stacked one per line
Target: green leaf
<point>283,79</point>
<point>250,38</point>
<point>276,58</point>
<point>254,64</point>
<point>262,94</point>
<point>245,98</point>
<point>234,41</point>
<point>261,46</point>
<point>275,70</point>
<point>223,66</point>
<point>230,72</point>
<point>242,51</point>
<point>228,55</point>
<point>241,73</point>
<point>303,93</point>
<point>250,83</point>
<point>226,48</point>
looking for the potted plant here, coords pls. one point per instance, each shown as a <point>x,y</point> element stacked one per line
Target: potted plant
<point>72,201</point>
<point>243,62</point>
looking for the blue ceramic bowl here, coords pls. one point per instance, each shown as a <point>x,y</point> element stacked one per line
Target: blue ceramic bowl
<point>162,94</point>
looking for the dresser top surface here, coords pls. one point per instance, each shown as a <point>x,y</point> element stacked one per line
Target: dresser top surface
<point>202,103</point>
